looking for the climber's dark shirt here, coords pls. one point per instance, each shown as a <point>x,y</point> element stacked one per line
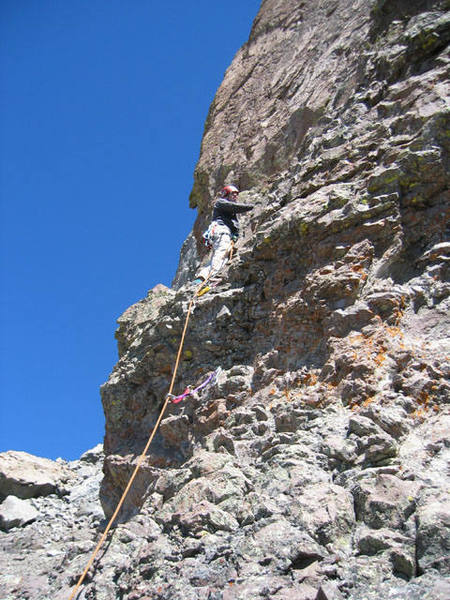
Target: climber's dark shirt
<point>225,212</point>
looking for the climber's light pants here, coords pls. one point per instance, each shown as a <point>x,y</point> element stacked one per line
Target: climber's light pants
<point>221,246</point>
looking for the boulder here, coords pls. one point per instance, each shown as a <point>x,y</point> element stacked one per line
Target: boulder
<point>27,476</point>
<point>15,512</point>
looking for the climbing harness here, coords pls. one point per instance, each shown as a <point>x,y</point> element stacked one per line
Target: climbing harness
<point>147,445</point>
<point>227,258</point>
<point>188,392</point>
<point>207,237</point>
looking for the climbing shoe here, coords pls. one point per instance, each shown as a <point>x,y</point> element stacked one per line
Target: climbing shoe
<point>198,281</point>
<point>203,291</point>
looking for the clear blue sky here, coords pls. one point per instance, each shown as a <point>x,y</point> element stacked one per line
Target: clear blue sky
<point>102,108</point>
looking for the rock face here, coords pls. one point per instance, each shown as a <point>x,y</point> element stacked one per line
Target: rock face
<point>316,465</point>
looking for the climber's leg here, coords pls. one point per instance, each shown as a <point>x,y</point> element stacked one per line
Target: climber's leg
<point>221,242</point>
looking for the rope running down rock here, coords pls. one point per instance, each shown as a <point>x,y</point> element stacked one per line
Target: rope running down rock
<point>144,452</point>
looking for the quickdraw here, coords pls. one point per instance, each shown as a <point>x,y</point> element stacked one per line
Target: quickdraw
<point>208,234</point>
<point>187,392</point>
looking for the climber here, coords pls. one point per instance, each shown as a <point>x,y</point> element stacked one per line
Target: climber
<point>223,230</point>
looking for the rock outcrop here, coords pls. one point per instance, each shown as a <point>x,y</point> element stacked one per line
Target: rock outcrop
<point>315,467</point>
<point>49,523</point>
<point>26,476</point>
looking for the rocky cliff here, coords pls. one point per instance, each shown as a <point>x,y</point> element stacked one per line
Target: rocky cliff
<point>314,468</point>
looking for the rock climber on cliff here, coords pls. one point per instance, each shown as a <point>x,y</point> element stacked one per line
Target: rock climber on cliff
<point>223,230</point>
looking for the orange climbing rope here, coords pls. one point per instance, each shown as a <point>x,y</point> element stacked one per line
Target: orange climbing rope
<point>144,452</point>
<point>231,251</point>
